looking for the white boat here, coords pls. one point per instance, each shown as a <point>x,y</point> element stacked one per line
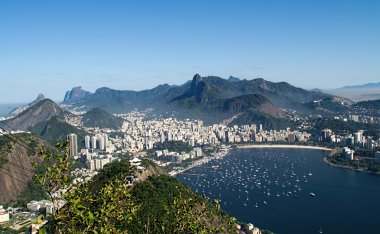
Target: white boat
<point>312,194</point>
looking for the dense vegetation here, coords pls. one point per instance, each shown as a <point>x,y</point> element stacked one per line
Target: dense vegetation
<point>176,146</point>
<point>97,117</point>
<point>55,130</point>
<point>110,172</point>
<point>244,102</point>
<point>268,122</point>
<point>5,147</point>
<point>167,206</point>
<point>364,164</point>
<point>341,127</point>
<point>160,204</point>
<point>373,104</point>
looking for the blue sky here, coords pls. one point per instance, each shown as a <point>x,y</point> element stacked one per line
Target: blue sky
<point>51,46</point>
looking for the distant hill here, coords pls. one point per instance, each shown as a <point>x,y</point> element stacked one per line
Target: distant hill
<point>253,102</point>
<point>363,86</point>
<point>358,93</point>
<point>268,122</point>
<point>55,129</point>
<point>120,101</point>
<point>329,106</point>
<point>233,79</point>
<point>39,112</point>
<point>207,89</point>
<point>46,119</point>
<point>97,117</point>
<point>20,109</point>
<point>77,93</point>
<point>373,104</point>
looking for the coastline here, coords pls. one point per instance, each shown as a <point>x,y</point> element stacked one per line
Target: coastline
<point>200,162</point>
<point>279,146</point>
<point>326,160</point>
<point>284,146</point>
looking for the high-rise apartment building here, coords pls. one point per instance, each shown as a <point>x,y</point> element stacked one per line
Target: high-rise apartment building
<point>87,142</point>
<point>93,142</point>
<point>73,144</point>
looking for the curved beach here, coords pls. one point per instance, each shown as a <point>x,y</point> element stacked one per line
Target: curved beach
<point>284,146</point>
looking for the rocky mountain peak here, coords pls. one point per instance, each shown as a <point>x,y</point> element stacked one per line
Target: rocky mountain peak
<point>20,109</point>
<point>75,94</point>
<point>233,79</point>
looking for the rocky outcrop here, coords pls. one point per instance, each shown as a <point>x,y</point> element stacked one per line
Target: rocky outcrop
<point>77,93</point>
<point>151,170</point>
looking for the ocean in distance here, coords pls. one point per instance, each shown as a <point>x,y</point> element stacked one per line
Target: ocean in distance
<point>290,191</point>
<point>5,109</point>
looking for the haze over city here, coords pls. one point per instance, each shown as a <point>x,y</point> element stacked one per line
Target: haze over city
<point>51,47</point>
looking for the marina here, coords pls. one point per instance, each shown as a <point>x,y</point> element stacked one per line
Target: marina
<point>285,190</point>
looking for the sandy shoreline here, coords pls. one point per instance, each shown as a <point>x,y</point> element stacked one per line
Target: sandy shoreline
<point>284,146</point>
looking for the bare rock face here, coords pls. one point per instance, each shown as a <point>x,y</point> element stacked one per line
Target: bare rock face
<point>75,94</point>
<point>17,172</point>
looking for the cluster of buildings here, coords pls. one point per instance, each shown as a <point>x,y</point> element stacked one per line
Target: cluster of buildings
<point>356,139</point>
<point>165,155</point>
<point>90,152</point>
<point>43,204</point>
<point>366,116</point>
<point>348,153</point>
<point>137,135</point>
<point>12,132</point>
<point>16,218</point>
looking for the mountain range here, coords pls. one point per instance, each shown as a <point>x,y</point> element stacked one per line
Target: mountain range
<point>357,93</point>
<point>363,86</point>
<point>36,113</point>
<point>211,98</point>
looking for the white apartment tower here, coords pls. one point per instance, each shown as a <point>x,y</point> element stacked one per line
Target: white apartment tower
<point>87,142</point>
<point>93,142</point>
<point>73,144</point>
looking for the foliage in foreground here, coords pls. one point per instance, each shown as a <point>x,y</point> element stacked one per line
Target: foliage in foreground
<point>107,205</point>
<point>167,206</point>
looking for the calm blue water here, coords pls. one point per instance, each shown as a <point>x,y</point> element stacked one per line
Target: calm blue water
<point>345,201</point>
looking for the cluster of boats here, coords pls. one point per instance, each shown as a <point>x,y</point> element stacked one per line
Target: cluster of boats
<point>251,180</point>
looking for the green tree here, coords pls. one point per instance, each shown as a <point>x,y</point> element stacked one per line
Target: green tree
<point>107,210</point>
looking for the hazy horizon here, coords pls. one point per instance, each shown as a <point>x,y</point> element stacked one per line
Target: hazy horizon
<point>51,47</point>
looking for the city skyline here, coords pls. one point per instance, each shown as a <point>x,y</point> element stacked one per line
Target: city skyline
<point>50,47</point>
